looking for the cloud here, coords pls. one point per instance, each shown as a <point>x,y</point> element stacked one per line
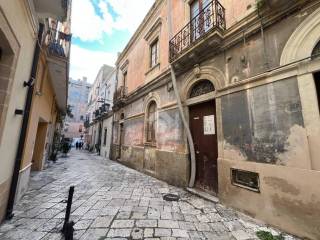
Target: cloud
<point>89,26</point>
<point>87,63</point>
<point>130,13</point>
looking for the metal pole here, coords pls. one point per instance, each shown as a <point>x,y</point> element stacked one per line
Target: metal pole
<point>68,210</point>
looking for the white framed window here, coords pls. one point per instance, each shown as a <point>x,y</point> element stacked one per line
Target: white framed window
<point>154,53</point>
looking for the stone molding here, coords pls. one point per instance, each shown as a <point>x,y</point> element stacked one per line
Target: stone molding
<point>214,75</point>
<point>303,40</point>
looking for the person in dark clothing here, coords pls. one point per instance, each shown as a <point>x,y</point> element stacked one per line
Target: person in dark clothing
<point>77,145</point>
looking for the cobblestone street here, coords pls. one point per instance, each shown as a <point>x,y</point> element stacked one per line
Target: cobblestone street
<point>115,202</point>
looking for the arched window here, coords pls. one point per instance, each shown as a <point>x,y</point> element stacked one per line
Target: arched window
<point>200,88</point>
<point>151,122</point>
<point>316,51</point>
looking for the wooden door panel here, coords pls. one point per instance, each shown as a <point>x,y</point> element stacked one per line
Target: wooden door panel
<point>206,147</point>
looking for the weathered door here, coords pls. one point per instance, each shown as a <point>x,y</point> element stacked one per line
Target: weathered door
<point>120,139</point>
<point>204,133</point>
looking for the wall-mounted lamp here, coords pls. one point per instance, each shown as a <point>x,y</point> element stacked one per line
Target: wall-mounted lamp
<point>29,83</point>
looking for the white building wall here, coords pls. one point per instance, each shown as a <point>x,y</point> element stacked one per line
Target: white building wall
<point>105,148</point>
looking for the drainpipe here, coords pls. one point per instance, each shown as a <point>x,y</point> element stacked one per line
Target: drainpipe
<point>25,122</point>
<point>180,107</point>
<point>115,89</point>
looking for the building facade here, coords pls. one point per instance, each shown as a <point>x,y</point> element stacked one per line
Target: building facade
<point>100,102</point>
<point>32,90</point>
<point>223,96</point>
<point>78,93</point>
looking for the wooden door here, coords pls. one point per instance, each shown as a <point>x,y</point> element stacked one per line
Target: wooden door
<point>204,133</point>
<point>121,132</point>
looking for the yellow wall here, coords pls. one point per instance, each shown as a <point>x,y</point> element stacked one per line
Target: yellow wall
<point>43,109</point>
<point>16,16</point>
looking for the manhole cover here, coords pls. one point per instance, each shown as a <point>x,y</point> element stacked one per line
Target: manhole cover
<point>171,197</point>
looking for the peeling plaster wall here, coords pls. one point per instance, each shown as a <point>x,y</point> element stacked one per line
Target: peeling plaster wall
<point>168,159</point>
<point>265,124</point>
<point>170,133</point>
<point>133,132</point>
<point>247,59</point>
<point>289,199</point>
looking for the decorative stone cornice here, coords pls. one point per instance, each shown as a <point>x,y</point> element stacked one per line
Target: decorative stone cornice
<point>155,28</point>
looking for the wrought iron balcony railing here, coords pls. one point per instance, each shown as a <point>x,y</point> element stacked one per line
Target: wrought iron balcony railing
<point>210,18</point>
<point>58,43</point>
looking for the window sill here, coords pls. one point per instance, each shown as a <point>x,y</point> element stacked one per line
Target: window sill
<point>151,69</point>
<point>150,144</point>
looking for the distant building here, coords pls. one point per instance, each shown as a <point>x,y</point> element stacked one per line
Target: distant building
<point>99,115</point>
<point>77,99</point>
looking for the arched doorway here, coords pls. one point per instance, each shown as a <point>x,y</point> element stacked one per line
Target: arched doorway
<point>304,44</point>
<point>202,121</point>
<point>121,134</point>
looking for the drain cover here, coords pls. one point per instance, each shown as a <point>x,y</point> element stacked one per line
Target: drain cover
<point>171,197</point>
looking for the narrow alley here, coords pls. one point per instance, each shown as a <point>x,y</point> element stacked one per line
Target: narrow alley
<point>112,201</point>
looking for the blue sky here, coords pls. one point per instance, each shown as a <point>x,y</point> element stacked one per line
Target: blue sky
<point>101,29</point>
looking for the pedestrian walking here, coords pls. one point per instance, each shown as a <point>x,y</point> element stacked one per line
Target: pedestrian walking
<point>77,145</point>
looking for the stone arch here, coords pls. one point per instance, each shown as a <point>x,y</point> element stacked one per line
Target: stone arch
<point>152,97</point>
<point>9,50</point>
<point>149,99</point>
<point>205,86</point>
<point>303,40</point>
<point>212,74</point>
<point>301,45</point>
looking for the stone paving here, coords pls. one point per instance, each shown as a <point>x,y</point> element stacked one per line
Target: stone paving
<point>112,201</point>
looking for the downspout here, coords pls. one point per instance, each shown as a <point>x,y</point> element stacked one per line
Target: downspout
<point>180,107</point>
<point>114,90</point>
<point>25,123</point>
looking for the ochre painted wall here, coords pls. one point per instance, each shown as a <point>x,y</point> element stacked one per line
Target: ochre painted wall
<point>19,24</point>
<point>43,109</point>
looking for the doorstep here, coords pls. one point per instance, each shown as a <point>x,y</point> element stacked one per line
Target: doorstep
<point>203,194</point>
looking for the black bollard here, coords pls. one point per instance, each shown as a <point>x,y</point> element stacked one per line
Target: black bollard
<point>67,229</point>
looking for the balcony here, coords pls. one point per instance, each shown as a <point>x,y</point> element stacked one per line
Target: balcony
<point>57,48</point>
<point>204,30</point>
<point>58,43</point>
<point>120,96</point>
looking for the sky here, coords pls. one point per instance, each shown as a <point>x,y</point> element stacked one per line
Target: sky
<point>100,29</point>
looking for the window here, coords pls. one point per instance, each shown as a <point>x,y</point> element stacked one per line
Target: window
<point>154,53</point>
<point>125,79</point>
<point>151,122</point>
<point>105,136</point>
<point>201,87</point>
<point>245,179</point>
<point>201,18</point>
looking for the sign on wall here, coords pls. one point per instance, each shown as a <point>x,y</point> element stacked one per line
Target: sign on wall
<point>208,125</point>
